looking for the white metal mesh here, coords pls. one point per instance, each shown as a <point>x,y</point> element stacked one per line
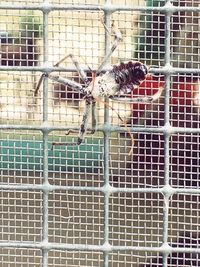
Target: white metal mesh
<point>94,204</point>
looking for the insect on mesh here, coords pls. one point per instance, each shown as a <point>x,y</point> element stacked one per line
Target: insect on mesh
<point>96,204</point>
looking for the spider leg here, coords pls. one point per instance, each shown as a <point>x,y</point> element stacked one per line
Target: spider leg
<point>118,39</point>
<point>65,81</point>
<point>94,121</point>
<point>83,127</point>
<point>140,99</point>
<point>80,71</point>
<point>84,123</point>
<point>39,84</point>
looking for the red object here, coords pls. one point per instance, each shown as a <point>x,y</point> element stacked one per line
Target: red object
<point>148,87</point>
<point>182,92</point>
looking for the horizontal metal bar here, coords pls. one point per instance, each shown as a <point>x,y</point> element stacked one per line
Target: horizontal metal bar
<point>48,69</point>
<point>43,68</point>
<point>104,128</point>
<point>106,8</point>
<point>110,190</point>
<point>103,248</point>
<point>168,69</point>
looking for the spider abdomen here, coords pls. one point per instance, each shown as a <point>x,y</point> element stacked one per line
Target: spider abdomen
<point>128,75</point>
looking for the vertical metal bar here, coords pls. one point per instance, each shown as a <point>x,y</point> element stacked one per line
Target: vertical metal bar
<point>106,158</point>
<point>45,142</point>
<point>45,199</point>
<point>167,134</point>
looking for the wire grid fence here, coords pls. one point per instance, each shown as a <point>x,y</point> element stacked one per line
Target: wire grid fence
<point>94,204</point>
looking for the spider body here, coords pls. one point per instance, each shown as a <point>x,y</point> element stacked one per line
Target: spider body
<point>119,80</point>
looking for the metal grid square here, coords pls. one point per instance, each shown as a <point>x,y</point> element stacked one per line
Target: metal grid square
<point>94,204</point>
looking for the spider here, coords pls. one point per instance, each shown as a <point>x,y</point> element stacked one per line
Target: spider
<point>119,80</point>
